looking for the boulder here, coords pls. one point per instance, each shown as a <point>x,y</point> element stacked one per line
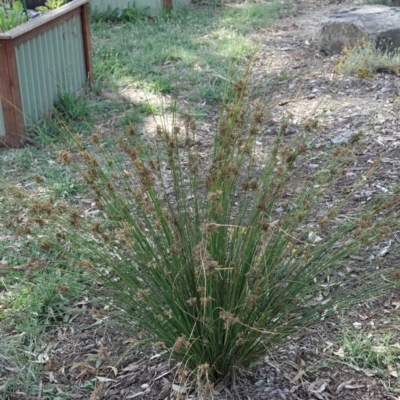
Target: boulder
<point>350,26</point>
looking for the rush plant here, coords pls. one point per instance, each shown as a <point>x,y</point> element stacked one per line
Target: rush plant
<point>221,255</point>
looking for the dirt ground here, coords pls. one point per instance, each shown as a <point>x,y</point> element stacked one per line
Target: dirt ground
<point>92,348</point>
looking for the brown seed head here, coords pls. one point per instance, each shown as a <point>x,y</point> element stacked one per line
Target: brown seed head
<point>64,157</point>
<point>205,300</point>
<point>87,265</point>
<point>214,196</point>
<point>142,294</point>
<point>240,87</point>
<point>181,344</point>
<point>95,138</point>
<point>62,288</point>
<point>38,178</point>
<point>191,301</point>
<point>228,318</point>
<point>159,131</point>
<point>209,227</point>
<point>46,244</point>
<point>75,218</point>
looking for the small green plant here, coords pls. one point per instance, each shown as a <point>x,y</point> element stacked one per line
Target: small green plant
<point>12,14</point>
<point>283,78</point>
<point>72,106</point>
<point>132,118</point>
<point>374,351</point>
<point>97,87</point>
<point>51,5</point>
<point>366,58</point>
<point>130,14</point>
<point>163,85</point>
<point>33,307</point>
<point>253,15</point>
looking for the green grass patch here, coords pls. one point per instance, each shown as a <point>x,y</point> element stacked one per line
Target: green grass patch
<point>247,17</point>
<point>38,167</point>
<point>192,52</point>
<point>378,352</point>
<point>35,301</point>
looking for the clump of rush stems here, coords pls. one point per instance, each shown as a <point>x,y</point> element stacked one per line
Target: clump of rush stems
<point>221,257</point>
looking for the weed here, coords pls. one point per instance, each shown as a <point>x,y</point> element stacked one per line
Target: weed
<point>97,87</point>
<point>378,353</point>
<point>283,78</point>
<point>72,106</point>
<point>150,109</point>
<point>252,16</point>
<point>163,85</point>
<point>366,58</point>
<point>130,14</point>
<point>32,308</point>
<point>133,117</point>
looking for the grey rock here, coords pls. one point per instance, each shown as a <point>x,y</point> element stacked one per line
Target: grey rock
<point>350,26</point>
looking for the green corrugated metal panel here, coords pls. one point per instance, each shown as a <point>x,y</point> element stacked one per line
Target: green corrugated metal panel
<point>2,127</point>
<point>49,64</point>
<point>105,5</point>
<point>153,7</point>
<point>180,3</point>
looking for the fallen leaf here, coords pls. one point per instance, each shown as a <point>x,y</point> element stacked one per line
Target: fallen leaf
<point>178,389</point>
<point>80,364</point>
<point>131,367</point>
<point>396,304</point>
<point>357,325</point>
<point>339,353</point>
<point>352,387</point>
<point>104,379</point>
<point>322,382</point>
<point>112,368</point>
<point>302,371</point>
<point>134,395</point>
<point>343,384</point>
<point>298,376</point>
